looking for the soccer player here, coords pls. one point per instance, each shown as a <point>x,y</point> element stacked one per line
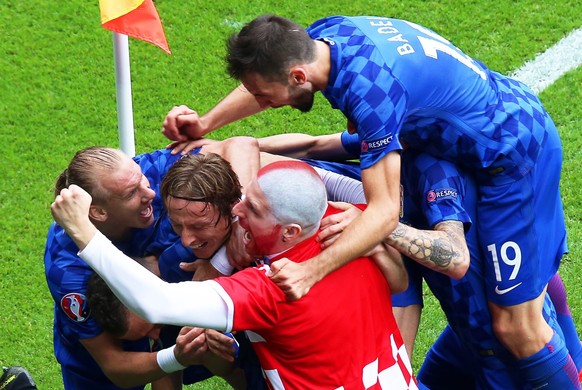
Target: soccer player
<point>122,323</point>
<point>127,208</point>
<point>321,341</point>
<point>441,199</point>
<point>439,204</point>
<point>398,82</point>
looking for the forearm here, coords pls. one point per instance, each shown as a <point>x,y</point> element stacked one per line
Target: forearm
<point>243,155</point>
<point>297,145</point>
<point>238,104</point>
<point>124,368</point>
<point>360,237</point>
<point>444,251</point>
<point>390,263</point>
<point>158,302</point>
<point>135,369</point>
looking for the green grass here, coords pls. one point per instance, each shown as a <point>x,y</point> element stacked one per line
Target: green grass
<point>58,95</point>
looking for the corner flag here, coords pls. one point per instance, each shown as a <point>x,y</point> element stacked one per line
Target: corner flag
<point>136,18</point>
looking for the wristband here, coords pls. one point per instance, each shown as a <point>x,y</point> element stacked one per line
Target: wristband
<point>167,360</point>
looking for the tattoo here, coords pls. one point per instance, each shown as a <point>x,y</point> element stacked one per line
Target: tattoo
<point>399,232</point>
<point>435,249</point>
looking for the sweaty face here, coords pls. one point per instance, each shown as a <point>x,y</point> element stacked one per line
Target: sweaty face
<point>199,225</point>
<point>263,232</point>
<point>275,94</point>
<point>129,204</point>
<point>138,328</point>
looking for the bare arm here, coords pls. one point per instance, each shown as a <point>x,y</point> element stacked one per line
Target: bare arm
<point>182,123</point>
<point>125,369</point>
<point>389,261</point>
<point>297,145</point>
<point>241,152</point>
<point>382,188</point>
<point>443,249</point>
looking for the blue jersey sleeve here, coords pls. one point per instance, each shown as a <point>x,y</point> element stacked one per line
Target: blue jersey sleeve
<point>67,277</point>
<point>436,190</point>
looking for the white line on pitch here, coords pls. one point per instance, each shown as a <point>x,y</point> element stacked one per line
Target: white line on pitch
<point>547,67</point>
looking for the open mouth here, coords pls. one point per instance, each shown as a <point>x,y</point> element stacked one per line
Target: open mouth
<point>198,246</point>
<point>147,212</point>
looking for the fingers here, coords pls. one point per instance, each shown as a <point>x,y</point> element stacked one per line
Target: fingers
<point>189,267</point>
<point>176,147</point>
<point>221,344</point>
<point>69,200</point>
<point>290,278</point>
<point>174,121</point>
<point>276,268</point>
<point>341,205</point>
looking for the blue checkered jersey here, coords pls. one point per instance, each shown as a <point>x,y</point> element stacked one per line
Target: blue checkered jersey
<point>67,276</point>
<point>435,191</point>
<point>398,82</point>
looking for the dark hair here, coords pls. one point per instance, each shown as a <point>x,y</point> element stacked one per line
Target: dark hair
<point>106,308</point>
<point>85,170</point>
<point>269,45</point>
<point>204,178</point>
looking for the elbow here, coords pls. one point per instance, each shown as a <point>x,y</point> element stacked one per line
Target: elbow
<point>399,285</point>
<point>243,143</point>
<point>461,267</point>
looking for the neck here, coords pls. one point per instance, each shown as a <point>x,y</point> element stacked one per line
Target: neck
<point>321,67</point>
<point>114,233</point>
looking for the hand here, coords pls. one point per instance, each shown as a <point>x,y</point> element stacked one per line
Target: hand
<point>332,226</point>
<point>182,123</point>
<point>294,279</point>
<point>185,147</point>
<point>71,210</point>
<point>235,248</point>
<point>191,346</point>
<point>202,269</point>
<point>220,344</point>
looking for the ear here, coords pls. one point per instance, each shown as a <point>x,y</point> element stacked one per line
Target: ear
<point>98,213</point>
<point>291,232</point>
<point>297,76</point>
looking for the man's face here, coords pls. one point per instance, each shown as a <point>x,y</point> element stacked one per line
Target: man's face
<point>138,328</point>
<point>130,197</point>
<point>274,94</point>
<point>263,232</point>
<point>199,225</point>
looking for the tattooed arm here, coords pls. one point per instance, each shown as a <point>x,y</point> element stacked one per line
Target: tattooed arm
<point>443,249</point>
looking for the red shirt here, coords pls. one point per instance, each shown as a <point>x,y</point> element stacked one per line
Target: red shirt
<point>342,334</point>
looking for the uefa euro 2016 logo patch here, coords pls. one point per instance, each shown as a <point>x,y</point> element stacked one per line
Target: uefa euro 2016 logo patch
<point>446,193</point>
<point>378,143</point>
<point>74,305</point>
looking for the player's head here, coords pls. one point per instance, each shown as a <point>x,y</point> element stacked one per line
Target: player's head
<point>113,316</point>
<point>282,207</point>
<point>122,197</point>
<point>199,192</point>
<point>269,56</point>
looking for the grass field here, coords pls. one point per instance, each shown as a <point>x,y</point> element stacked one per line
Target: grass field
<point>58,95</point>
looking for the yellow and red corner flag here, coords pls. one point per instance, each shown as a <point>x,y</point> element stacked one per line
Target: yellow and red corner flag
<point>135,18</point>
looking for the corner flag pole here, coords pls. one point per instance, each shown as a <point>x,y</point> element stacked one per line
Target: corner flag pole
<point>138,19</point>
<point>123,90</point>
